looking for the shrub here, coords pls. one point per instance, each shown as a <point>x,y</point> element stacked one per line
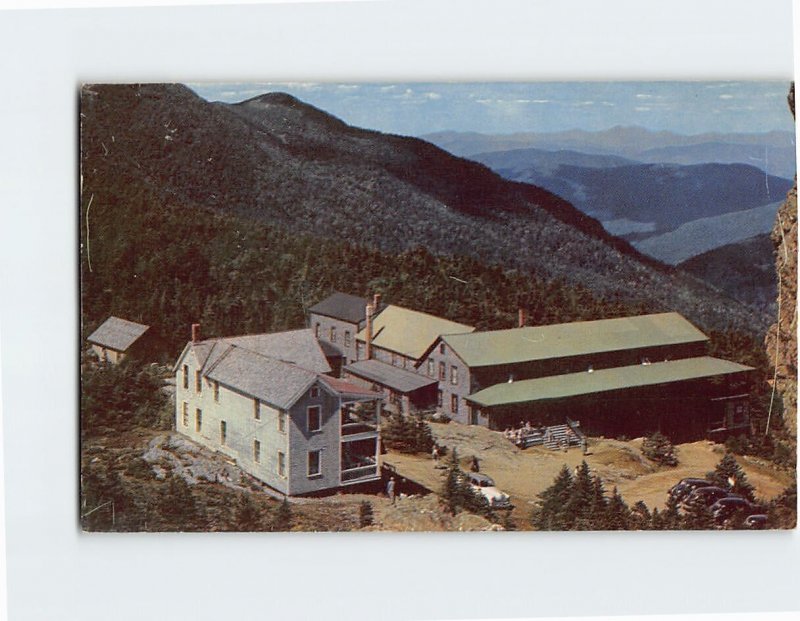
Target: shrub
<point>365,515</point>
<point>658,448</point>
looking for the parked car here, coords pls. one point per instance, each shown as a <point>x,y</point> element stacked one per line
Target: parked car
<point>724,508</point>
<point>684,487</point>
<point>708,495</point>
<point>486,487</point>
<point>756,522</point>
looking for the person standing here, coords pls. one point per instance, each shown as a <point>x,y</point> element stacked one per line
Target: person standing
<point>390,489</point>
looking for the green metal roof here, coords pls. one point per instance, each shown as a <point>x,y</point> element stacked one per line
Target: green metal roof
<point>409,332</point>
<point>602,380</point>
<point>572,339</point>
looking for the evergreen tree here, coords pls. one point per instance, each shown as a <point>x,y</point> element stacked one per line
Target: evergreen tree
<point>697,515</point>
<point>671,517</point>
<point>365,515</point>
<point>598,505</point>
<point>618,515</point>
<point>578,510</point>
<point>656,520</point>
<point>641,519</point>
<point>550,512</point>
<point>658,448</point>
<point>729,475</point>
<point>459,494</point>
<point>177,506</point>
<point>282,517</point>
<point>247,515</point>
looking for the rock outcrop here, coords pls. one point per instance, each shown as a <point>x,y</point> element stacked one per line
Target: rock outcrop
<point>781,339</point>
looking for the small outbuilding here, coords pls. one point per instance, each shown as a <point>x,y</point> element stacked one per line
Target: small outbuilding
<point>117,339</point>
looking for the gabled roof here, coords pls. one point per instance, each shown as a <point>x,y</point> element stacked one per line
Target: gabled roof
<point>517,345</point>
<point>384,374</point>
<point>259,376</point>
<point>118,334</point>
<point>298,347</point>
<point>409,332</point>
<point>350,308</point>
<point>603,380</point>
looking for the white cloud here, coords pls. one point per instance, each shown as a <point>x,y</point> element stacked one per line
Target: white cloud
<point>432,95</point>
<point>726,96</point>
<point>388,87</point>
<point>642,108</point>
<point>643,96</point>
<point>348,87</point>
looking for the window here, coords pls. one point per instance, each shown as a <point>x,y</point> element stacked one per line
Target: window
<point>441,348</point>
<point>314,418</point>
<point>281,421</point>
<point>256,409</point>
<point>442,371</point>
<point>281,464</point>
<point>394,360</point>
<point>186,376</point>
<point>198,420</point>
<point>105,355</point>
<point>359,350</point>
<point>216,392</point>
<point>405,361</point>
<point>313,463</point>
<point>223,432</point>
<point>316,330</point>
<point>185,414</point>
<point>333,334</point>
<point>256,451</point>
<point>454,375</point>
<point>454,404</point>
<point>198,381</point>
<point>347,338</point>
<point>440,400</point>
<point>431,367</point>
<point>314,392</point>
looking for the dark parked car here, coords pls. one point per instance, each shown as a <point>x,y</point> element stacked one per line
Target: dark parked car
<point>684,487</point>
<point>725,508</point>
<point>708,495</point>
<point>756,522</point>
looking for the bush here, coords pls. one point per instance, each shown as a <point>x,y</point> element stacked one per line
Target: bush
<point>658,448</point>
<point>365,515</point>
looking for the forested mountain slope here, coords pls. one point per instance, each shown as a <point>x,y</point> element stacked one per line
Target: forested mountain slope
<point>158,162</point>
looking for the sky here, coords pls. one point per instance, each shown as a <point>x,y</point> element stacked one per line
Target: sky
<point>415,109</point>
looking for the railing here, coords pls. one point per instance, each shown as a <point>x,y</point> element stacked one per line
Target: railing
<point>360,472</point>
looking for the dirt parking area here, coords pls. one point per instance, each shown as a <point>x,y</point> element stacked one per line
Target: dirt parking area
<point>523,474</point>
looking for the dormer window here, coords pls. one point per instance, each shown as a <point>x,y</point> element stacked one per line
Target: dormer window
<point>314,392</point>
<point>441,348</point>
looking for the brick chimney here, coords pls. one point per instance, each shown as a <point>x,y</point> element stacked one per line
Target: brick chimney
<point>195,332</point>
<point>376,302</point>
<point>368,332</point>
<point>522,317</point>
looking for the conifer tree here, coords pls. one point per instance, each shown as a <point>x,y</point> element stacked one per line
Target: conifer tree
<point>247,517</point>
<point>656,520</point>
<point>599,504</point>
<point>641,519</point>
<point>550,512</point>
<point>658,447</point>
<point>671,517</point>
<point>618,514</point>
<point>697,515</point>
<point>365,515</point>
<point>729,475</point>
<point>579,508</point>
<point>282,517</point>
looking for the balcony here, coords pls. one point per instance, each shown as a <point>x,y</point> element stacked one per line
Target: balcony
<point>359,459</point>
<point>358,418</point>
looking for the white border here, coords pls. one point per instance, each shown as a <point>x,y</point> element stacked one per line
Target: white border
<point>55,572</point>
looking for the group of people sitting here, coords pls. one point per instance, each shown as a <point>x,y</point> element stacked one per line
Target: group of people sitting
<point>517,435</point>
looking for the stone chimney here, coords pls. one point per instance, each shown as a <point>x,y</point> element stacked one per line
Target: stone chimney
<point>195,332</point>
<point>368,333</point>
<point>522,317</point>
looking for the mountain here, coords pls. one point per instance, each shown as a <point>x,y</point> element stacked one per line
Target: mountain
<point>771,151</point>
<point>275,161</point>
<point>640,197</point>
<point>744,270</point>
<point>775,160</point>
<point>703,234</point>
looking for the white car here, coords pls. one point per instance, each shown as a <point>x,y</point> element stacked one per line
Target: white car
<point>486,487</point>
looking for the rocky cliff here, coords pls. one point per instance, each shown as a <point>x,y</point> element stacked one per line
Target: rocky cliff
<point>781,340</point>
